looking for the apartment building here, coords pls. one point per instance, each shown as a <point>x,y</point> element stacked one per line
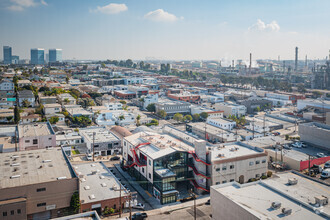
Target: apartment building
<point>185,97</point>
<point>37,184</point>
<point>36,136</point>
<point>211,133</point>
<point>172,107</point>
<point>104,141</point>
<point>50,109</point>
<point>236,161</point>
<point>26,95</point>
<point>47,99</point>
<point>7,85</point>
<point>230,109</point>
<point>221,123</point>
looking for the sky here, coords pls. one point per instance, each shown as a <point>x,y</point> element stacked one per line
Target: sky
<point>167,29</point>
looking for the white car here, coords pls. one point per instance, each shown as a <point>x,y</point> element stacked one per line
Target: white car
<point>138,206</point>
<point>325,174</point>
<point>319,155</point>
<point>89,157</point>
<point>327,165</point>
<point>297,145</point>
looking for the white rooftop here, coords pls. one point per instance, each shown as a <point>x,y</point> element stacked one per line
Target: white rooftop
<point>97,183</point>
<point>257,198</point>
<point>233,150</point>
<point>102,135</point>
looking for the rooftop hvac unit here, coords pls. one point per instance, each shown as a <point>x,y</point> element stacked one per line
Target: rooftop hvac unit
<point>221,155</point>
<point>61,178</point>
<point>87,187</point>
<point>15,176</point>
<point>293,181</point>
<point>276,205</point>
<point>286,211</point>
<point>46,161</point>
<point>321,200</point>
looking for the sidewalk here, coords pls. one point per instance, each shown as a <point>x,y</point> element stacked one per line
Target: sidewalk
<point>153,202</point>
<point>171,208</point>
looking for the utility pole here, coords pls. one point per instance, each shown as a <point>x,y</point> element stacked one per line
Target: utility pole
<point>120,201</point>
<point>264,125</point>
<point>93,144</point>
<point>253,129</point>
<point>130,207</point>
<point>194,197</point>
<point>309,164</point>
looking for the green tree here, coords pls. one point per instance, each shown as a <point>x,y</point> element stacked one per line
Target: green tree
<point>122,117</point>
<point>53,120</point>
<point>123,102</point>
<point>9,118</point>
<point>162,114</point>
<point>178,117</point>
<point>258,109</point>
<point>204,115</point>
<point>196,117</point>
<point>187,118</point>
<point>75,202</point>
<point>151,107</point>
<point>26,103</point>
<point>17,116</point>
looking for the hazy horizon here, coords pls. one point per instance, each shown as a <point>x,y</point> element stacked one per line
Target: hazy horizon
<point>167,30</point>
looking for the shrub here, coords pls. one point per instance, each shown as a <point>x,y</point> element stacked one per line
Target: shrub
<point>263,177</point>
<point>269,173</point>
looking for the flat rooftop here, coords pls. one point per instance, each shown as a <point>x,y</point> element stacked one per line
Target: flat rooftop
<point>97,183</point>
<point>32,167</point>
<point>304,191</point>
<point>232,150</point>
<point>160,144</point>
<point>101,135</point>
<point>34,130</point>
<point>257,198</point>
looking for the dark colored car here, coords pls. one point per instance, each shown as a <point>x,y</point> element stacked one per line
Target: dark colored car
<point>115,158</point>
<point>139,216</point>
<point>208,202</point>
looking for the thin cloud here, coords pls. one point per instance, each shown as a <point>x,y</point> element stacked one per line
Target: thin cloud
<point>263,27</point>
<point>20,5</point>
<point>160,15</point>
<point>43,2</point>
<point>111,8</point>
<point>15,8</point>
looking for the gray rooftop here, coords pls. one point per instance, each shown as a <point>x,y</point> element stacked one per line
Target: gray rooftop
<point>35,130</point>
<point>232,150</point>
<point>97,183</point>
<point>32,167</point>
<point>102,135</point>
<point>257,198</point>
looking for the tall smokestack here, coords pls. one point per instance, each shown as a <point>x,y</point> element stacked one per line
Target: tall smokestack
<point>250,64</point>
<point>296,60</point>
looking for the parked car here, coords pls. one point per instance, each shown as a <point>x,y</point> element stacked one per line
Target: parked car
<point>286,146</point>
<point>139,216</point>
<point>276,133</point>
<point>114,158</point>
<point>319,155</point>
<point>297,145</point>
<point>325,174</point>
<point>139,206</point>
<point>89,157</point>
<point>208,202</point>
<point>327,165</point>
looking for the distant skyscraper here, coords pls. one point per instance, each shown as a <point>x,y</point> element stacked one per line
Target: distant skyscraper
<point>55,55</point>
<point>14,59</point>
<point>37,56</point>
<point>296,60</point>
<point>7,55</point>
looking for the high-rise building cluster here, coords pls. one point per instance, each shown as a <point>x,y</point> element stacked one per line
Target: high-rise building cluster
<point>37,56</point>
